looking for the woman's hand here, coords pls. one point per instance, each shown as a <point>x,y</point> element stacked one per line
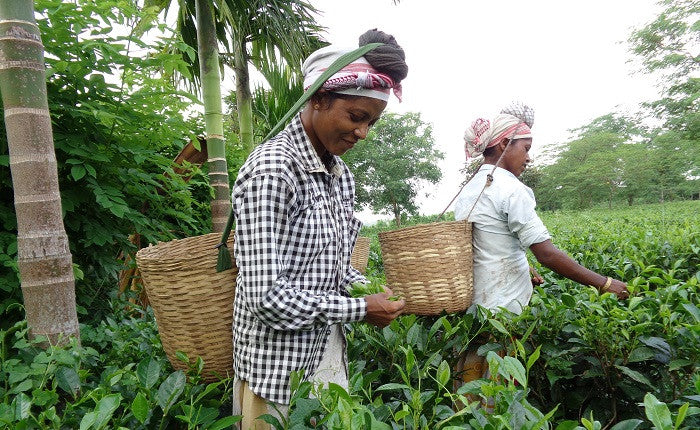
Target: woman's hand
<point>380,310</point>
<point>618,288</point>
<point>535,277</point>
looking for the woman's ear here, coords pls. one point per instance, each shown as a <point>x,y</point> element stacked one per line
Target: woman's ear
<point>320,99</point>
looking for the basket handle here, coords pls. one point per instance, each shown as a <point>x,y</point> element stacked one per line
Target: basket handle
<point>223,261</point>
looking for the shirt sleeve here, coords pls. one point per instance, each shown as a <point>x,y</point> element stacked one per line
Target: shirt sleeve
<point>262,213</point>
<point>523,221</point>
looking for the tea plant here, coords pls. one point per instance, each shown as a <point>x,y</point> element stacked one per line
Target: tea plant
<point>117,378</point>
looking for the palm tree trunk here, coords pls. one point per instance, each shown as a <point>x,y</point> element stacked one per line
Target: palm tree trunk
<point>44,258</point>
<point>244,99</point>
<point>213,116</point>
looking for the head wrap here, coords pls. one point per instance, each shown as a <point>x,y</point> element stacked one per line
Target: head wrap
<point>521,111</point>
<point>358,78</point>
<point>484,133</point>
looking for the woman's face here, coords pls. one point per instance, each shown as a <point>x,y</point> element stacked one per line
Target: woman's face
<point>335,124</point>
<point>517,156</point>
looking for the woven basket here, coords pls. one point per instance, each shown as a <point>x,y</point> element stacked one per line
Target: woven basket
<point>430,266</point>
<point>360,254</point>
<point>193,304</point>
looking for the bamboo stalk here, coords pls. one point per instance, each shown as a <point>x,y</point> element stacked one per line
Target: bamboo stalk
<point>207,45</point>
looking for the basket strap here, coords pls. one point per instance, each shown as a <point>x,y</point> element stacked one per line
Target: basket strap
<point>223,261</point>
<point>489,179</point>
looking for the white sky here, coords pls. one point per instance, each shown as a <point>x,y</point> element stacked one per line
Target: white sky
<point>567,59</point>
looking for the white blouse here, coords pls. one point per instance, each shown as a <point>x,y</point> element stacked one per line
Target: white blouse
<point>505,225</point>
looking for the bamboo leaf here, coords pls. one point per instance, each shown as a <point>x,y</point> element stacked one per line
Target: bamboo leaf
<point>338,64</point>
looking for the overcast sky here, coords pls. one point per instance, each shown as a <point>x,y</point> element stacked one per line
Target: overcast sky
<point>567,59</point>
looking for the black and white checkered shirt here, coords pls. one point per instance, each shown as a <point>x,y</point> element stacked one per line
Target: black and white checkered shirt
<point>295,231</point>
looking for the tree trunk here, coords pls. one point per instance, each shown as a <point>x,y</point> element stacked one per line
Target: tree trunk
<point>44,258</point>
<point>397,214</point>
<point>244,99</point>
<point>207,45</point>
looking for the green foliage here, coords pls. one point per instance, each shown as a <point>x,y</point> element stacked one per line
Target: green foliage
<point>574,359</point>
<point>613,162</point>
<point>668,43</point>
<point>118,124</point>
<point>118,378</point>
<point>392,163</point>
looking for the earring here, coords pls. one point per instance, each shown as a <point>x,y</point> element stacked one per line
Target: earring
<point>316,106</point>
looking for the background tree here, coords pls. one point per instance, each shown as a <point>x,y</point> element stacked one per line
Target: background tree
<point>44,259</point>
<point>392,164</point>
<point>118,123</point>
<point>668,47</point>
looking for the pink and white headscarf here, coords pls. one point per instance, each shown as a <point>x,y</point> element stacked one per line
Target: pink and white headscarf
<point>358,78</point>
<point>484,133</point>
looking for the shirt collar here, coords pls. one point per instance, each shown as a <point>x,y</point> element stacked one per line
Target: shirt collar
<point>499,170</point>
<point>307,154</point>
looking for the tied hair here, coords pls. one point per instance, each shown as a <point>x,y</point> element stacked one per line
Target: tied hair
<point>389,58</point>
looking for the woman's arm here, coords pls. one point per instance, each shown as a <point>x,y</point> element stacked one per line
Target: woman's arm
<point>553,258</point>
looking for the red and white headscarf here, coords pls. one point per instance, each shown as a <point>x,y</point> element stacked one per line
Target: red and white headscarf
<point>484,133</point>
<point>358,78</point>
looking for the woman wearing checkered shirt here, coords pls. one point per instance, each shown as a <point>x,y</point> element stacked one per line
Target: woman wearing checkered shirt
<point>295,230</point>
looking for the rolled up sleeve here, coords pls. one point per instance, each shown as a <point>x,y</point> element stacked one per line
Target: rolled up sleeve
<point>523,221</point>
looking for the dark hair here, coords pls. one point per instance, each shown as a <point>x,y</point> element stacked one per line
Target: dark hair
<point>489,151</point>
<point>388,58</point>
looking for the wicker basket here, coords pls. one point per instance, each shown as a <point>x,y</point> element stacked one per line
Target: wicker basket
<point>430,266</point>
<point>360,254</point>
<point>193,304</point>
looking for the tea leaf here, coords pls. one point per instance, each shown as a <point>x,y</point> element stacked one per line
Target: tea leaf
<point>225,422</point>
<point>635,375</point>
<point>148,372</point>
<point>657,412</point>
<point>498,326</point>
<point>627,424</point>
<point>443,373</point>
<point>105,408</point>
<point>170,390</point>
<point>88,420</point>
<point>515,369</point>
<point>68,380</point>
<point>140,408</point>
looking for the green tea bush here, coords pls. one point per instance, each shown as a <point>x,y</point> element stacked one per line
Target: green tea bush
<point>118,377</point>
